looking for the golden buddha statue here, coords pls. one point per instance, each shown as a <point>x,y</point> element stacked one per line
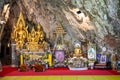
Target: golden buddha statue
<point>32,41</point>
<point>20,32</point>
<point>77,51</point>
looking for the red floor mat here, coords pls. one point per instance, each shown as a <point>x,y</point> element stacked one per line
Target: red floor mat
<point>9,71</point>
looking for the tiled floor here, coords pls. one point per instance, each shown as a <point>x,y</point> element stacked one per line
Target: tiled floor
<point>113,77</point>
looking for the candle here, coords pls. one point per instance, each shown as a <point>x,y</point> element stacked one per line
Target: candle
<point>21,59</point>
<point>50,59</point>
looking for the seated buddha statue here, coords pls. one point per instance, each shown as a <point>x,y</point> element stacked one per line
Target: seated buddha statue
<point>32,36</point>
<point>32,41</point>
<point>77,52</point>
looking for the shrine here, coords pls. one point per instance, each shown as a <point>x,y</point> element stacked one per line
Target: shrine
<point>34,51</point>
<point>59,47</point>
<point>59,39</point>
<point>77,62</point>
<point>30,45</point>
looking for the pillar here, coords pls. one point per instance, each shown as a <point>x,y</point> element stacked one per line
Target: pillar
<point>14,62</point>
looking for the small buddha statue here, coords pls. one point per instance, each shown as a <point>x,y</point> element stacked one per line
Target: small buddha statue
<point>77,51</point>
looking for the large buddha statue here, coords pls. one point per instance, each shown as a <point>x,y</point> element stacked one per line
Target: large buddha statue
<point>20,32</point>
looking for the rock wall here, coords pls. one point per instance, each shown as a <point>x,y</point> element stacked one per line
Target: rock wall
<point>84,20</point>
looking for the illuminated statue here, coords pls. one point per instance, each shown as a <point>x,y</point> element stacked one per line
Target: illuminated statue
<point>20,32</point>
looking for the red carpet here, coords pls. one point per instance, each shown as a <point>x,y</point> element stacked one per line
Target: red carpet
<point>9,71</point>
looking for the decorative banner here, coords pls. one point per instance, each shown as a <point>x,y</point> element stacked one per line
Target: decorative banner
<point>98,57</point>
<point>91,51</point>
<point>103,59</point>
<point>59,54</point>
<point>118,66</point>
